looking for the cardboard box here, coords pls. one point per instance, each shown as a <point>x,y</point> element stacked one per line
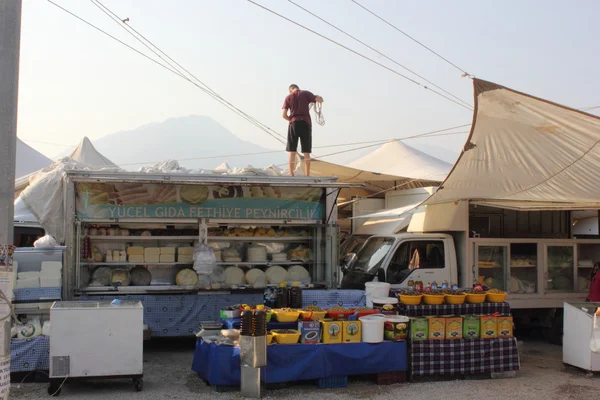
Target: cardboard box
<point>310,332</point>
<point>419,329</point>
<point>437,328</point>
<point>352,331</point>
<point>454,327</point>
<point>471,327</point>
<point>505,326</point>
<point>331,331</point>
<point>489,327</point>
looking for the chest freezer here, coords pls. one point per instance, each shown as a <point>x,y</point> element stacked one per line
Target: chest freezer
<point>96,339</point>
<point>578,322</point>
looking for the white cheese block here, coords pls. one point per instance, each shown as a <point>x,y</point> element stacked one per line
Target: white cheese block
<point>185,258</point>
<point>27,283</point>
<point>135,251</point>
<point>51,265</point>
<point>167,250</point>
<point>167,258</point>
<point>50,274</point>
<point>50,282</point>
<point>116,254</point>
<point>151,251</point>
<point>28,275</point>
<point>188,251</point>
<point>109,257</point>
<point>136,258</point>
<point>123,258</point>
<point>152,258</point>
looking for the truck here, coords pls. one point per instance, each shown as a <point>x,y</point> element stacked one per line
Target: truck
<point>532,255</point>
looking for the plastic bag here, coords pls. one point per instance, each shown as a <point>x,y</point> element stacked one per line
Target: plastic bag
<point>595,334</point>
<point>204,259</point>
<point>46,327</point>
<point>45,242</point>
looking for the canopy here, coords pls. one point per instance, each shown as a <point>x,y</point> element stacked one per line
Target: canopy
<point>86,153</point>
<point>29,160</point>
<point>396,158</point>
<point>525,153</point>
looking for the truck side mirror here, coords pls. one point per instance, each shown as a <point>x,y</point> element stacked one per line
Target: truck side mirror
<point>381,275</point>
<point>349,260</point>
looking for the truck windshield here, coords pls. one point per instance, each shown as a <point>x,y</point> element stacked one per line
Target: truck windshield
<point>371,254</point>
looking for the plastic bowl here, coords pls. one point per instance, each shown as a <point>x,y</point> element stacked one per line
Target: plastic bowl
<point>410,300</point>
<point>495,297</point>
<point>433,299</point>
<point>367,312</point>
<point>475,298</point>
<point>286,338</point>
<point>455,298</point>
<point>312,315</point>
<point>339,314</point>
<point>286,316</point>
<point>269,338</point>
<point>269,316</point>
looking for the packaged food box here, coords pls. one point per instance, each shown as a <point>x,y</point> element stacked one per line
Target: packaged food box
<point>505,326</point>
<point>437,328</point>
<point>310,332</point>
<point>419,329</point>
<point>471,327</point>
<point>454,327</point>
<point>489,327</point>
<point>352,331</point>
<point>331,331</point>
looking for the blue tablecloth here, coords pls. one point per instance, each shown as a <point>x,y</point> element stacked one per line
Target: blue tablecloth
<point>220,365</point>
<point>30,355</point>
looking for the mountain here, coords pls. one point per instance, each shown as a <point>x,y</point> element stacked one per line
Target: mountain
<point>185,139</point>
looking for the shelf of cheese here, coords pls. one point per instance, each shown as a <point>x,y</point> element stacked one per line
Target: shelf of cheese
<point>114,264</point>
<point>139,289</point>
<point>264,263</point>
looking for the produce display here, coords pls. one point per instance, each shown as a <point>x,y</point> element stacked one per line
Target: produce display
<point>448,296</point>
<point>459,327</point>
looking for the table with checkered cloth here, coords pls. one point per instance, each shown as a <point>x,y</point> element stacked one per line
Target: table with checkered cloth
<point>424,310</point>
<point>30,354</point>
<point>463,357</point>
<point>334,297</point>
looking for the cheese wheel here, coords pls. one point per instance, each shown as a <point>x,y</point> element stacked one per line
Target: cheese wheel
<point>186,277</point>
<point>140,276</point>
<point>102,276</point>
<point>252,275</point>
<point>297,273</point>
<point>121,277</point>
<point>234,276</point>
<point>276,274</point>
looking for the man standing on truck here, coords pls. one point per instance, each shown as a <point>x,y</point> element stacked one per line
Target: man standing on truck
<point>295,110</point>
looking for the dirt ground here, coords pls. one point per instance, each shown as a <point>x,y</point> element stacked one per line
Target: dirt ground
<point>168,375</point>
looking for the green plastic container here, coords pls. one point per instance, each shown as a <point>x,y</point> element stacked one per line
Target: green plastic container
<point>419,329</point>
<point>471,327</point>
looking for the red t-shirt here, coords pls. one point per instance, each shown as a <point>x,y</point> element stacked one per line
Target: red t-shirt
<point>298,103</point>
<point>594,294</point>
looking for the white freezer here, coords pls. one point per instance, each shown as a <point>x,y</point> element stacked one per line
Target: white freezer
<point>576,339</point>
<point>96,339</point>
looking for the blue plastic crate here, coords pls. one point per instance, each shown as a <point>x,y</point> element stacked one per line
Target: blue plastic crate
<point>332,382</point>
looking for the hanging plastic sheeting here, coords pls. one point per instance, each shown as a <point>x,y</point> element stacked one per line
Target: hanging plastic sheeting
<point>525,153</point>
<point>595,335</point>
<point>45,196</point>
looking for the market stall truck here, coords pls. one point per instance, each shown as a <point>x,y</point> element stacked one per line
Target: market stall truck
<point>532,255</point>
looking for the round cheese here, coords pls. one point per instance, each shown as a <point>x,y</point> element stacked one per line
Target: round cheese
<point>234,276</point>
<point>252,275</point>
<point>140,276</point>
<point>298,273</point>
<point>121,277</point>
<point>102,276</point>
<point>186,277</point>
<point>276,274</point>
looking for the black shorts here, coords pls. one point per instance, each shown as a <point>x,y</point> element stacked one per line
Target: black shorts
<point>299,130</point>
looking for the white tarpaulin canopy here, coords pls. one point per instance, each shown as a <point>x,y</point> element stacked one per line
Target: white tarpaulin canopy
<point>86,153</point>
<point>526,153</point>
<point>29,160</point>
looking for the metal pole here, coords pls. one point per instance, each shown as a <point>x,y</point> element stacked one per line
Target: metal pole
<point>10,41</point>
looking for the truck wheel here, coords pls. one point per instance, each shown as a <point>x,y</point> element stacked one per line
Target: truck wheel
<point>554,334</point>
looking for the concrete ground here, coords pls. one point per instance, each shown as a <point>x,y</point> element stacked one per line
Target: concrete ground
<point>168,376</point>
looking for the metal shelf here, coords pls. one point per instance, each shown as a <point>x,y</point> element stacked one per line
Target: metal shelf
<point>259,239</point>
<point>115,264</point>
<point>145,238</point>
<point>265,263</point>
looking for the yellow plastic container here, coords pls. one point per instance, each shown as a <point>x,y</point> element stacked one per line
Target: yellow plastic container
<point>312,315</point>
<point>269,338</point>
<point>410,300</point>
<point>475,298</point>
<point>286,336</point>
<point>455,298</point>
<point>433,299</point>
<point>286,316</point>
<point>495,297</point>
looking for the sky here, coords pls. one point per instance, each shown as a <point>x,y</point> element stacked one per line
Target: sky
<point>76,82</point>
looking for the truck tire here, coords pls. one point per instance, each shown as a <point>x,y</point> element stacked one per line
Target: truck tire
<point>554,334</point>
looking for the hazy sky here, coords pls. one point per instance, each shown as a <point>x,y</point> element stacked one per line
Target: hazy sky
<point>74,81</point>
